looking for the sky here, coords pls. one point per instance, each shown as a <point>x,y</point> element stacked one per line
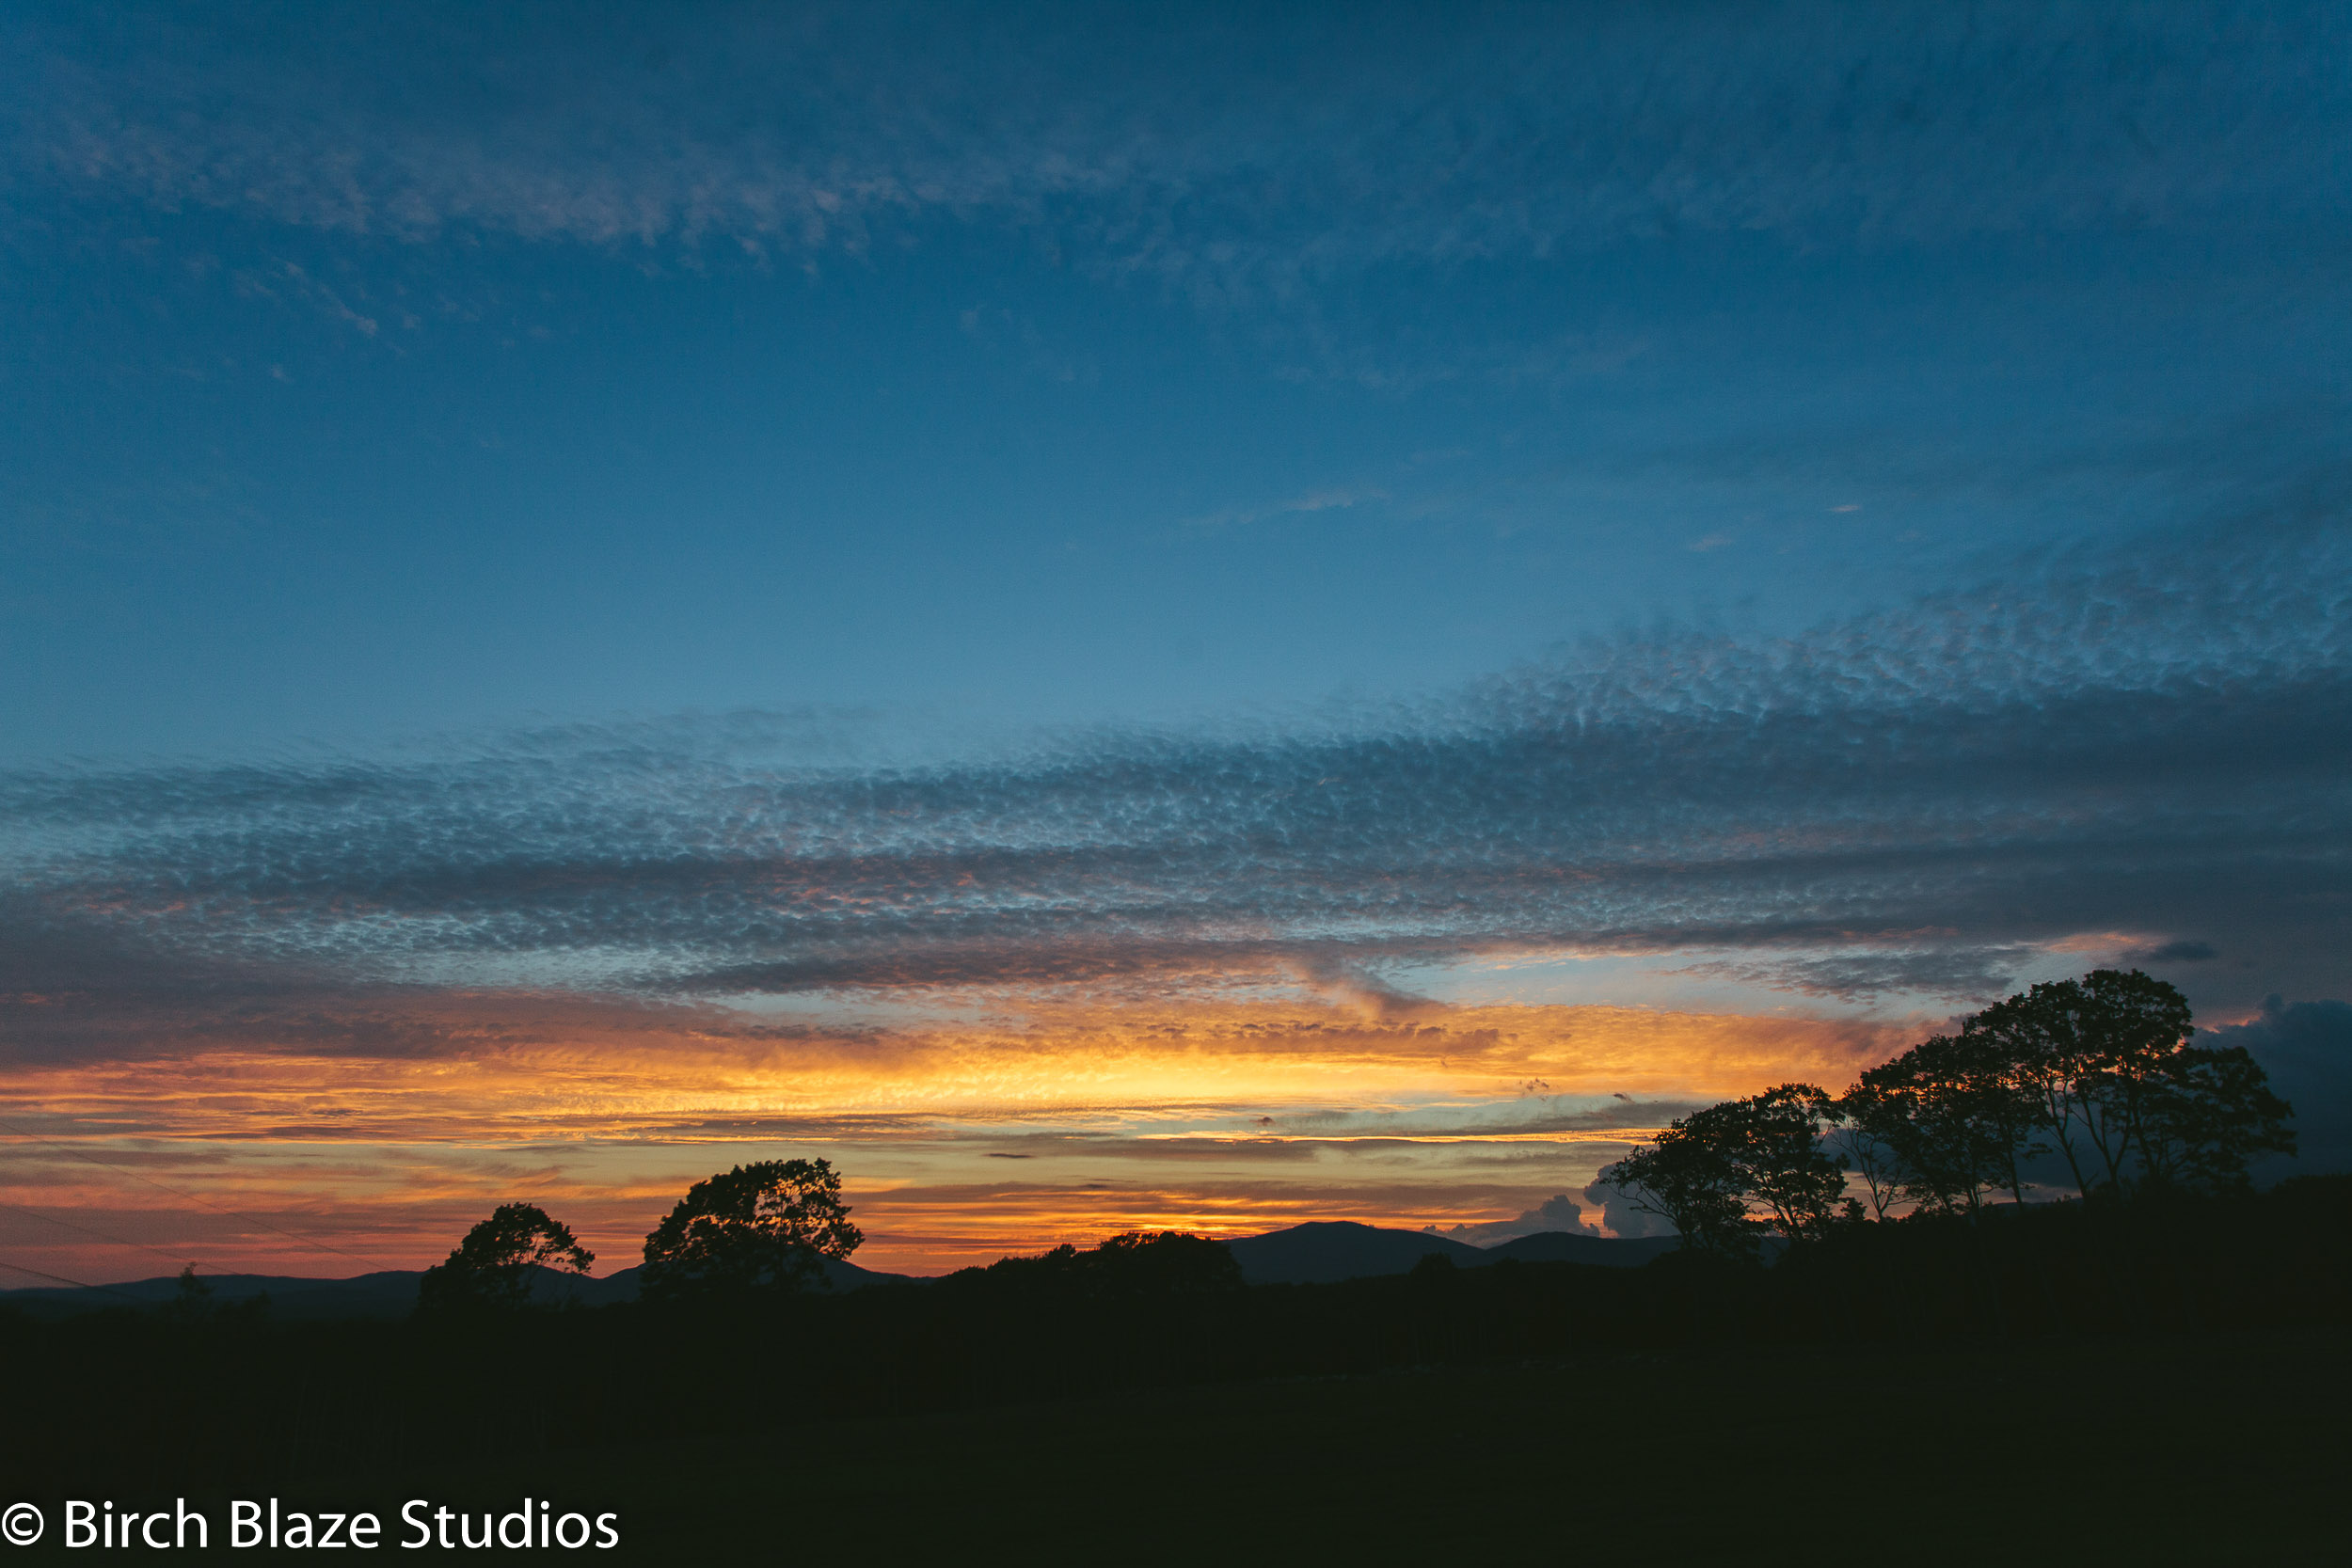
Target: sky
<point>1130,616</point>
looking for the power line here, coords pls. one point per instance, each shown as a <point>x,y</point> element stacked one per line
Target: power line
<point>232,1214</point>
<point>79,1285</point>
<point>86,1231</point>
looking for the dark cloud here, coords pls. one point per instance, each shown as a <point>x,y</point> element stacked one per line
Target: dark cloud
<point>1557,1212</point>
<point>1909,801</point>
<point>2306,1047</point>
<point>2176,953</point>
<point>1620,1216</point>
<point>1959,973</point>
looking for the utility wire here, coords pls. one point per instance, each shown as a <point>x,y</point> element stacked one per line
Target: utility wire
<point>43,1274</point>
<point>290,1235</point>
<point>20,1209</point>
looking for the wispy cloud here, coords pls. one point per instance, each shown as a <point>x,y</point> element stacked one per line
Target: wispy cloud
<point>1328,498</point>
<point>1151,143</point>
<point>2159,747</point>
<point>1957,973</point>
<point>391,1119</point>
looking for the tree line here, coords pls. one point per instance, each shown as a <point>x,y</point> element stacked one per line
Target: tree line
<point>766,1227</point>
<point>2102,1072</point>
<point>229,1399</point>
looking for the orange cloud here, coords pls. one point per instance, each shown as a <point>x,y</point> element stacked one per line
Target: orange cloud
<point>1058,1119</point>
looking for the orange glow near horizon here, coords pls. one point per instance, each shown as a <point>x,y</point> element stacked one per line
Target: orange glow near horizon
<point>1059,1120</point>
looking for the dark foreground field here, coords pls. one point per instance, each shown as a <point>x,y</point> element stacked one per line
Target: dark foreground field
<point>2144,1451</point>
<point>2211,1450</point>
<point>2146,1384</point>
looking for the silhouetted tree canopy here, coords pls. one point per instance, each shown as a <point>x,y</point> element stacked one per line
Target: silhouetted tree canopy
<point>1138,1264</point>
<point>768,1225</point>
<point>1707,1168</point>
<point>1774,1142</point>
<point>1169,1263</point>
<point>1874,1129</point>
<point>2205,1115</point>
<point>2121,1091</point>
<point>493,1267</point>
<point>1691,1183</point>
<point>2099,1070</point>
<point>1947,1121</point>
<point>191,1299</point>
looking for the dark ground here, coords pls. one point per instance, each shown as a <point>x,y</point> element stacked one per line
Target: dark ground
<point>2214,1449</point>
<point>2154,1452</point>
<point>2154,1383</point>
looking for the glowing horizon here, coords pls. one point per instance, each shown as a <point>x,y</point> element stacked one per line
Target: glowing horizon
<point>1428,1107</point>
<point>1119,618</point>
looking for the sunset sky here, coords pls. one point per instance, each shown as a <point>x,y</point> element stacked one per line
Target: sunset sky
<point>1179,616</point>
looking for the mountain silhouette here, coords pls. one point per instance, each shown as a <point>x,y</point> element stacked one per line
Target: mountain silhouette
<point>1320,1252</point>
<point>390,1293</point>
<point>1325,1251</point>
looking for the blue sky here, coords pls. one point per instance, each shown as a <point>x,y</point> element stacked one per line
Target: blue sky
<point>382,375</point>
<point>832,513</point>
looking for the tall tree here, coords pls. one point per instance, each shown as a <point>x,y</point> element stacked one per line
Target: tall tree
<point>2121,1091</point>
<point>1775,1141</point>
<point>1871,1127</point>
<point>1952,1120</point>
<point>1692,1185</point>
<point>1707,1168</point>
<point>493,1268</point>
<point>191,1299</point>
<point>2084,1049</point>
<point>2205,1115</point>
<point>768,1226</point>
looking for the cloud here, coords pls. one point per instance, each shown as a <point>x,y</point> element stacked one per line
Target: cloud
<point>1620,1216</point>
<point>1956,973</point>
<point>1337,497</point>
<point>1151,143</point>
<point>1908,801</point>
<point>2176,953</point>
<point>1557,1212</point>
<point>2306,1047</point>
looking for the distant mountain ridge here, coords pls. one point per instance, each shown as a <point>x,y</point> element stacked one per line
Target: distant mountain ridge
<point>390,1293</point>
<point>1569,1247</point>
<point>1324,1252</point>
<point>1317,1253</point>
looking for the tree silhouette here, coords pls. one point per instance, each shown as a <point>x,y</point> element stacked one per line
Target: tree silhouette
<point>2084,1049</point>
<point>1140,1265</point>
<point>1872,1130</point>
<point>2100,1069</point>
<point>2207,1113</point>
<point>493,1267</point>
<point>1707,1168</point>
<point>1169,1263</point>
<point>1774,1141</point>
<point>2111,1076</point>
<point>191,1299</point>
<point>768,1226</point>
<point>1949,1119</point>
<point>1688,1182</point>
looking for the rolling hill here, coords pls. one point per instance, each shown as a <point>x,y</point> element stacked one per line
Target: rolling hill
<point>1326,1251</point>
<point>1320,1252</point>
